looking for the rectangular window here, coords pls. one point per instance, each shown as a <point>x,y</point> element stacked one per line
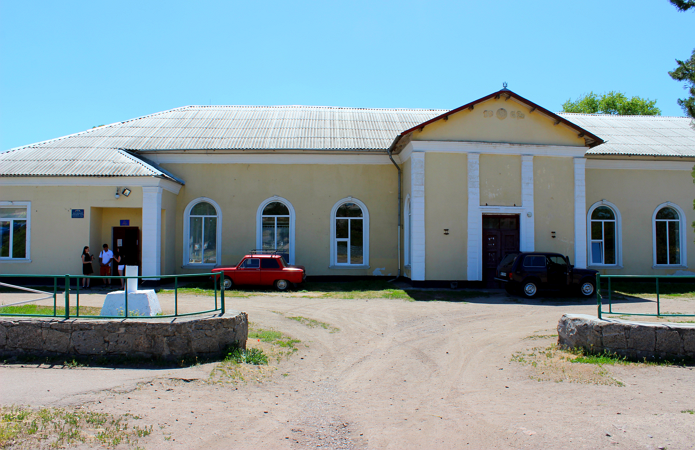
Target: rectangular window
<point>356,241</point>
<point>210,240</point>
<point>342,252</point>
<point>195,250</point>
<point>674,243</point>
<point>13,232</point>
<point>609,241</point>
<point>661,243</point>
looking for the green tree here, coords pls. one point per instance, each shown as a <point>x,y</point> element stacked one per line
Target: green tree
<point>686,69</point>
<point>683,5</point>
<point>612,103</point>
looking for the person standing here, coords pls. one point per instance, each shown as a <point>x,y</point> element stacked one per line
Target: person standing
<point>106,256</point>
<point>120,262</point>
<point>87,268</point>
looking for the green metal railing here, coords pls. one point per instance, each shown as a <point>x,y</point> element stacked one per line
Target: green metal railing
<point>656,278</point>
<point>216,277</point>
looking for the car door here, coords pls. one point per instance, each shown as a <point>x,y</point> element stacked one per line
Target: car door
<point>270,271</point>
<point>248,272</point>
<point>557,272</point>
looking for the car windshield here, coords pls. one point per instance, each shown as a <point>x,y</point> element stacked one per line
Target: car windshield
<point>509,259</point>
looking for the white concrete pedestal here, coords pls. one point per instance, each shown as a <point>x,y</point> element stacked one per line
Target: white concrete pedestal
<point>140,303</point>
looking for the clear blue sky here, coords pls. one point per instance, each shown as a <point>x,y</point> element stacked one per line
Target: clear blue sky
<point>66,66</point>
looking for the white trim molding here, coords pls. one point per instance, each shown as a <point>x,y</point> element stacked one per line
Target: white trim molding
<point>407,237</point>
<point>527,219</point>
<point>682,232</point>
<point>151,231</point>
<point>27,258</point>
<point>259,222</point>
<point>418,251</point>
<point>186,234</point>
<point>492,148</point>
<point>622,164</point>
<point>618,237</point>
<point>327,158</point>
<point>580,213</point>
<point>475,220</point>
<point>167,185</point>
<point>365,236</point>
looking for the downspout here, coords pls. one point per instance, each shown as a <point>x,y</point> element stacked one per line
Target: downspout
<point>400,219</point>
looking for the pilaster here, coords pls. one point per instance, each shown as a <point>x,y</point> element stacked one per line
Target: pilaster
<point>417,207</point>
<point>151,231</point>
<point>475,220</point>
<point>580,213</point>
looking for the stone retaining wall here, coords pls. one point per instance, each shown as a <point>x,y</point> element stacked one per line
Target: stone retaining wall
<point>631,339</point>
<point>206,335</point>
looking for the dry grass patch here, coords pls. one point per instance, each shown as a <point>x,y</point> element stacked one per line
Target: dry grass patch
<point>26,428</point>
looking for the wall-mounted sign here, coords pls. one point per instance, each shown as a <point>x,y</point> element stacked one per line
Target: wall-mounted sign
<point>125,223</point>
<point>77,213</point>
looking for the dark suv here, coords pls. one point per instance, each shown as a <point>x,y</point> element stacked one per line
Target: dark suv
<point>528,273</point>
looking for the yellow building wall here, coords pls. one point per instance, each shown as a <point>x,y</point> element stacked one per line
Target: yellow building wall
<point>500,180</point>
<point>313,190</point>
<point>499,121</point>
<point>446,206</point>
<point>553,200</point>
<point>636,194</point>
<point>56,238</point>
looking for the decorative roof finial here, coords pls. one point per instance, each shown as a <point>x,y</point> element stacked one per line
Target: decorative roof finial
<point>504,86</point>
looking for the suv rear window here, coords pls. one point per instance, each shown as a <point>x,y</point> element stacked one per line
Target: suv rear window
<point>269,263</point>
<point>508,260</point>
<point>534,261</point>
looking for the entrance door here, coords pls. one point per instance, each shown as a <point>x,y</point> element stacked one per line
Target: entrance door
<point>500,238</point>
<point>127,241</point>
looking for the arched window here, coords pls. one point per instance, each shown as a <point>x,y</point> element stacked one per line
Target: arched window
<point>275,227</point>
<point>202,233</point>
<point>350,234</point>
<point>669,242</point>
<point>406,232</point>
<point>604,231</point>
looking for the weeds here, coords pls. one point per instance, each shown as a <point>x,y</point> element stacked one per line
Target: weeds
<point>21,426</point>
<point>688,411</point>
<point>253,356</point>
<point>312,323</point>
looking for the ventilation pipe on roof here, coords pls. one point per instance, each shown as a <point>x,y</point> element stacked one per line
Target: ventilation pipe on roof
<point>390,149</point>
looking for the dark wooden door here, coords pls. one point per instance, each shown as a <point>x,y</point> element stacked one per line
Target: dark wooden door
<point>127,241</point>
<point>500,238</point>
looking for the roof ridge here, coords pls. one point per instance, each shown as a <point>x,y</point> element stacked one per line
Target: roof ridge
<point>311,107</point>
<point>624,116</point>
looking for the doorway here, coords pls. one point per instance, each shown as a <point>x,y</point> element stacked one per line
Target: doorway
<point>127,241</point>
<point>500,238</point>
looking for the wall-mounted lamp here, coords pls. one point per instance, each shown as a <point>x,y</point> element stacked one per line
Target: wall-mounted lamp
<point>125,192</point>
<point>529,214</point>
<point>117,194</point>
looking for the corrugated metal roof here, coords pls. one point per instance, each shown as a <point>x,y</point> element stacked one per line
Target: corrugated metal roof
<point>639,135</point>
<point>111,150</point>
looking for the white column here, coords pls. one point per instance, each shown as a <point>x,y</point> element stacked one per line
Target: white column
<point>527,242</point>
<point>580,213</point>
<point>417,211</point>
<point>475,220</point>
<point>151,231</point>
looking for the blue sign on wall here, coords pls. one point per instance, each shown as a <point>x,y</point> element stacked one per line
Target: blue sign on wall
<point>125,223</point>
<point>77,213</point>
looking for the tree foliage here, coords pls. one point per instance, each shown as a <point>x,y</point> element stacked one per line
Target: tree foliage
<point>683,5</point>
<point>612,103</point>
<point>686,69</point>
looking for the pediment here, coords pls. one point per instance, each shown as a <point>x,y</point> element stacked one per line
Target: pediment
<point>503,117</point>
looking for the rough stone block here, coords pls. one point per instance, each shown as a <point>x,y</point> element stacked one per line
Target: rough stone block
<point>3,335</point>
<point>26,337</point>
<point>668,341</point>
<point>641,337</point>
<point>55,341</point>
<point>613,336</point>
<point>88,342</point>
<point>688,339</point>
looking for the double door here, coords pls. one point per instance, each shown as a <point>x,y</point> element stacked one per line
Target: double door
<point>500,238</point>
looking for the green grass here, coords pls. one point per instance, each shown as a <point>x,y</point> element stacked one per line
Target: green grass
<point>253,356</point>
<point>688,411</point>
<point>48,310</point>
<point>636,288</point>
<point>311,323</point>
<point>23,427</point>
<point>275,338</point>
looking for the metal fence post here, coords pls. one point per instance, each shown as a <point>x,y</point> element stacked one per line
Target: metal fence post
<point>214,282</point>
<point>55,296</point>
<point>598,294</point>
<point>610,297</point>
<point>67,296</point>
<point>176,296</point>
<point>126,301</point>
<point>658,303</point>
<point>222,293</point>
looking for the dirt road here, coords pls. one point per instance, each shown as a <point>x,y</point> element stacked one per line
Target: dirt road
<point>396,375</point>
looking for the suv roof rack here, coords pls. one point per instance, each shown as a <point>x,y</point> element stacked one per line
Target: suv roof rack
<point>260,251</point>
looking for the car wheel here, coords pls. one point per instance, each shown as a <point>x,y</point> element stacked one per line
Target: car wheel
<point>587,288</point>
<point>529,289</point>
<point>282,285</point>
<point>227,283</point>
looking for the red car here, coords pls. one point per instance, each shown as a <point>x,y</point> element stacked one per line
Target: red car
<point>262,270</point>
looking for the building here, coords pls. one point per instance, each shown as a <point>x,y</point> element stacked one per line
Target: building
<point>432,195</point>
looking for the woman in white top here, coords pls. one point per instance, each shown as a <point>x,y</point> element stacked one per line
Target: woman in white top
<point>120,260</point>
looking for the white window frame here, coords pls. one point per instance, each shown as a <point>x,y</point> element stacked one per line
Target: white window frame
<point>407,227</point>
<point>186,234</point>
<point>365,236</point>
<point>681,231</point>
<point>259,222</point>
<point>26,259</point>
<point>618,236</point>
